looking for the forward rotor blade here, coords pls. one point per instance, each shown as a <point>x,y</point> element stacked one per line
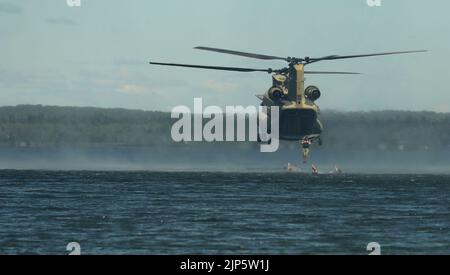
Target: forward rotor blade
<point>235,69</point>
<point>334,57</point>
<point>319,72</point>
<point>250,55</point>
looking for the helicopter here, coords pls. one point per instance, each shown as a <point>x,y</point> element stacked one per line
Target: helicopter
<point>298,111</point>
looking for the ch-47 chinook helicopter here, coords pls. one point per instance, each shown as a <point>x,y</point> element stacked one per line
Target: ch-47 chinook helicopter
<point>298,110</point>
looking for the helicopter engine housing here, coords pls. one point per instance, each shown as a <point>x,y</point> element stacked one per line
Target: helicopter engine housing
<point>312,93</point>
<point>275,93</point>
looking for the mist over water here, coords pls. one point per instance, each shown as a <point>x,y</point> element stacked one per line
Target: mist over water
<point>232,159</point>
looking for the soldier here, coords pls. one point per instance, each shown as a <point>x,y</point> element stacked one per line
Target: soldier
<point>305,143</point>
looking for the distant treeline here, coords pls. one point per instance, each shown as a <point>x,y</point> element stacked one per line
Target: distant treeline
<point>48,126</point>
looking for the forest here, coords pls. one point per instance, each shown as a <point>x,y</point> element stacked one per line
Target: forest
<point>49,126</point>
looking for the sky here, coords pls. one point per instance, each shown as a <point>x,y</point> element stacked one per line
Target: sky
<point>97,54</point>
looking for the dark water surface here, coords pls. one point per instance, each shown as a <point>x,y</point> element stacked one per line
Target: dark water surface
<point>222,213</point>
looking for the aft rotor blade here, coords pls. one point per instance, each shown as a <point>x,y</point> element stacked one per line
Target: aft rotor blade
<point>319,72</point>
<point>250,55</point>
<point>335,57</point>
<point>235,69</point>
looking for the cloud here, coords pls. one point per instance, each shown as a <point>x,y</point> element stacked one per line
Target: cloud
<point>442,108</point>
<point>10,8</point>
<point>133,89</point>
<point>7,7</point>
<point>61,21</point>
<point>129,62</point>
<point>218,86</point>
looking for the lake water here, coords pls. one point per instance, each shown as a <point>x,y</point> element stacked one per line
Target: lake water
<point>222,213</point>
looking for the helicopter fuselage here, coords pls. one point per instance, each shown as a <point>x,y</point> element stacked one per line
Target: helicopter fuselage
<point>298,112</point>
